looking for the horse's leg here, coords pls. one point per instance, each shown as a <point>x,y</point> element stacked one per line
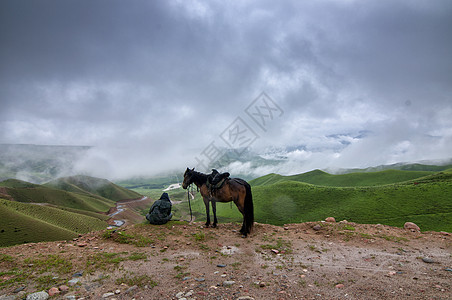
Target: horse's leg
<point>206,203</point>
<point>214,209</point>
<point>242,211</point>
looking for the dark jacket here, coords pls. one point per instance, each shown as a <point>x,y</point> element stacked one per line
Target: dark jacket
<point>160,211</point>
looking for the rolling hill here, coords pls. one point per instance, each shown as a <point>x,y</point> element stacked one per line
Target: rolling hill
<point>93,186</point>
<point>33,193</point>
<point>379,197</point>
<point>25,223</point>
<point>60,209</point>
<point>318,177</point>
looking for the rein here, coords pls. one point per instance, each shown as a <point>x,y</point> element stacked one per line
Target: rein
<point>189,204</point>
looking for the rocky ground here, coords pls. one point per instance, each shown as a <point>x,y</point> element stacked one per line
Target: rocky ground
<point>319,260</point>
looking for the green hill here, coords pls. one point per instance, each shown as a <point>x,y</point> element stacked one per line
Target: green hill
<point>321,178</point>
<point>24,223</point>
<point>93,186</point>
<point>31,193</point>
<point>58,210</point>
<point>427,200</point>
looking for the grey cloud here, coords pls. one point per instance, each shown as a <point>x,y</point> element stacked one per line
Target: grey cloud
<point>178,73</point>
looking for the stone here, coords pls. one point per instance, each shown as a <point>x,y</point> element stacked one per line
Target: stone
<point>131,289</point>
<point>428,260</point>
<point>78,274</point>
<point>73,281</point>
<point>330,220</point>
<point>63,288</point>
<point>53,291</point>
<point>179,295</point>
<point>317,227</point>
<point>38,296</point>
<point>8,297</point>
<point>228,283</point>
<point>245,298</point>
<point>109,294</point>
<point>339,286</point>
<point>21,288</point>
<point>70,297</point>
<point>412,227</point>
<point>221,266</point>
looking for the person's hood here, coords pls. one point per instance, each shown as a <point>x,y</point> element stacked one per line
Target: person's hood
<point>165,197</point>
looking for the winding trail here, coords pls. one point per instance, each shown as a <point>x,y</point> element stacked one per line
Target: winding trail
<point>121,206</point>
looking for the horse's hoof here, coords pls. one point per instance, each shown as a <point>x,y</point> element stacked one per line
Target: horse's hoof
<point>214,226</point>
<point>243,236</point>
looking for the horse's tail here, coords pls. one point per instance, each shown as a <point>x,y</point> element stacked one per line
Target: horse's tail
<point>249,209</point>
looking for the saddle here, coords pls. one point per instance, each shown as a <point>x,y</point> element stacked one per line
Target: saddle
<point>215,180</point>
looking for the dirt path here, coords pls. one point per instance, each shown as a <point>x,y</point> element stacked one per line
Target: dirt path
<point>299,261</point>
<point>126,211</point>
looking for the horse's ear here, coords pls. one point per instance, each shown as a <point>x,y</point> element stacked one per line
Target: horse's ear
<point>193,169</point>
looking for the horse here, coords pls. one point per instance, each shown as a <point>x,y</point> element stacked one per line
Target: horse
<point>233,189</point>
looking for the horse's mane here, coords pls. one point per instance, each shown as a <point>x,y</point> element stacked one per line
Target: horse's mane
<point>199,175</point>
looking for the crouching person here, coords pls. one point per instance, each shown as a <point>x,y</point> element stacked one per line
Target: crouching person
<point>160,211</point>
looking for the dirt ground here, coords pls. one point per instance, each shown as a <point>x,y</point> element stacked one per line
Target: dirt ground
<point>179,260</point>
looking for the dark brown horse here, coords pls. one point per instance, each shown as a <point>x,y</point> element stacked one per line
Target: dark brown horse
<point>234,189</point>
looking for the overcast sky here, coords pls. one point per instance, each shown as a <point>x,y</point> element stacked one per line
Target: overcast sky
<point>152,84</point>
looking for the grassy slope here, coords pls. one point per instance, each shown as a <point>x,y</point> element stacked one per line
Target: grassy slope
<point>23,222</point>
<point>42,194</point>
<point>427,203</point>
<point>318,177</point>
<point>93,186</point>
<point>68,206</point>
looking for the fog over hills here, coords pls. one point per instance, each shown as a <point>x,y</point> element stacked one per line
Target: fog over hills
<point>43,163</point>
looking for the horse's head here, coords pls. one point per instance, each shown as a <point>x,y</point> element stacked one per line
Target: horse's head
<point>188,178</point>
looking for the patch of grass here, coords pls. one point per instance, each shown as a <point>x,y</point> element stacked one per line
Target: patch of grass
<point>199,236</point>
<point>127,238</point>
<point>348,227</point>
<point>204,247</point>
<point>6,258</point>
<point>392,238</point>
<point>52,262</point>
<point>366,236</point>
<point>12,277</point>
<point>103,261</point>
<point>181,275</point>
<point>236,265</point>
<point>46,282</point>
<point>312,247</point>
<point>179,268</point>
<point>281,245</point>
<point>137,256</point>
<point>138,280</point>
